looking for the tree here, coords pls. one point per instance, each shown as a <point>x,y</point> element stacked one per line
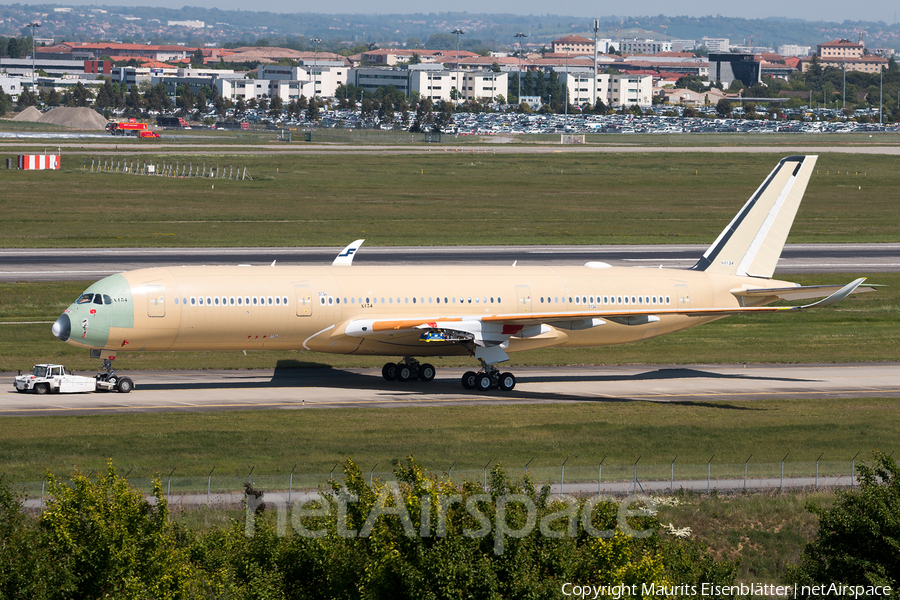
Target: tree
<point>27,98</point>
<point>312,112</point>
<point>197,57</point>
<point>750,110</point>
<point>275,106</point>
<point>856,532</point>
<point>119,544</point>
<point>5,102</point>
<point>723,107</point>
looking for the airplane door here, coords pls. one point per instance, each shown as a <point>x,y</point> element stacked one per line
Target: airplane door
<point>682,296</point>
<point>523,298</point>
<point>156,301</point>
<point>304,300</point>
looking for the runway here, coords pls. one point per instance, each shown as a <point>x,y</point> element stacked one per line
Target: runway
<point>45,264</point>
<point>307,389</point>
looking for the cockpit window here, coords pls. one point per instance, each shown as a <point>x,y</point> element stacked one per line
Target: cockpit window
<point>106,299</point>
<point>98,299</point>
<point>85,299</point>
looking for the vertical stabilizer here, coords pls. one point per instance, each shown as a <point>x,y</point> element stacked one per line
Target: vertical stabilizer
<point>751,244</point>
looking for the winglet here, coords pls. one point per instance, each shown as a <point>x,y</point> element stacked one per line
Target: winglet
<point>345,258</point>
<point>835,297</point>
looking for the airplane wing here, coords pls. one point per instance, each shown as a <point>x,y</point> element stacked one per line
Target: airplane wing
<point>486,331</point>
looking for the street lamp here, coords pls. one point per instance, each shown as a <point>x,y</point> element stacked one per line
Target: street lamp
<point>880,84</point>
<point>457,32</point>
<point>33,26</point>
<point>518,37</point>
<point>315,41</point>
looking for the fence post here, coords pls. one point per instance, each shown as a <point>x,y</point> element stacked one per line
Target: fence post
<point>128,473</point>
<point>562,476</point>
<point>169,485</point>
<point>209,484</point>
<point>291,484</point>
<point>250,474</point>
<point>450,471</point>
<point>781,485</point>
<point>485,473</point>
<point>672,477</point>
<point>331,476</point>
<point>600,475</point>
<point>853,470</point>
<point>709,472</point>
<point>371,474</point>
<point>636,484</point>
<point>817,469</point>
<point>43,482</point>
<point>526,465</point>
<point>745,471</point>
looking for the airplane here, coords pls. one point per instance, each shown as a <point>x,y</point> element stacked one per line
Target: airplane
<point>414,312</point>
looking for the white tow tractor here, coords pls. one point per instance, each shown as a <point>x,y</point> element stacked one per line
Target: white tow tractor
<point>47,378</point>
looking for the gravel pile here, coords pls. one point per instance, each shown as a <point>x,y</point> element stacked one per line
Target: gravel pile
<point>75,118</point>
<point>29,114</point>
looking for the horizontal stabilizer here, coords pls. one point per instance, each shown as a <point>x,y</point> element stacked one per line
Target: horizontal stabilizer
<point>804,292</point>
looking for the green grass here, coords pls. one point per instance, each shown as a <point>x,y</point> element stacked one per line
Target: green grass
<point>763,532</point>
<point>439,198</point>
<point>861,328</point>
<point>314,440</point>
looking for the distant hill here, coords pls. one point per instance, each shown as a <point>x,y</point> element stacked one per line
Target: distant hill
<point>483,31</point>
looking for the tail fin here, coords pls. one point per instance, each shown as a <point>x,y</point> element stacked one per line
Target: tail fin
<point>751,244</point>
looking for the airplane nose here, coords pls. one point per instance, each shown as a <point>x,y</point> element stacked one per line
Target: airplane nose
<point>62,328</point>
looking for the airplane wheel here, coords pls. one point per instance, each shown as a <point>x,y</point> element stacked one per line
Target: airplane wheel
<point>125,385</point>
<point>468,380</point>
<point>389,371</point>
<point>426,372</point>
<point>483,382</point>
<point>404,373</point>
<point>507,381</point>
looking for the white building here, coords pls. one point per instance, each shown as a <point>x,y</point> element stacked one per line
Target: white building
<point>607,46</point>
<point>433,82</point>
<point>645,46</point>
<point>683,45</point>
<point>794,50</point>
<point>716,44</point>
<point>192,24</point>
<point>613,90</point>
<point>12,85</point>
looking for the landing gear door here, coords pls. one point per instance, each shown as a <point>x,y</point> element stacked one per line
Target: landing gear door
<point>156,301</point>
<point>304,300</point>
<point>523,298</point>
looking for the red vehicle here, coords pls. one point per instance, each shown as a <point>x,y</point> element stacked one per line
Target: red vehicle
<point>132,127</point>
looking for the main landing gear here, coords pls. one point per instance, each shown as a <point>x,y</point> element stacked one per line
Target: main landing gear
<point>487,378</point>
<point>406,369</point>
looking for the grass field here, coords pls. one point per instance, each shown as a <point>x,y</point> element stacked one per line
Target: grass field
<point>314,440</point>
<point>439,198</point>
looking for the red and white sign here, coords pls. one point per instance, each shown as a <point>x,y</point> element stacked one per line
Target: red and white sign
<point>40,162</point>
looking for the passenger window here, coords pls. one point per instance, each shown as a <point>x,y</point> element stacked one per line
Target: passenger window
<point>217,301</point>
<point>271,301</point>
<point>193,301</point>
<point>255,300</point>
<point>247,301</point>
<point>239,301</point>
<point>445,300</point>
<point>414,299</point>
<point>176,301</point>
<point>626,299</point>
<point>231,300</point>
<point>330,301</point>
